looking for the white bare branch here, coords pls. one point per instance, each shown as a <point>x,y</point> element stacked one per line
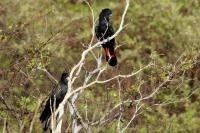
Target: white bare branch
<point>73,93</point>
<point>84,53</point>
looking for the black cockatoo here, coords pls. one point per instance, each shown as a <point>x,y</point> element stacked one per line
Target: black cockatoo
<point>58,93</point>
<point>104,30</point>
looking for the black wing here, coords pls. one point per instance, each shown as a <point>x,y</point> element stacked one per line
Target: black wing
<point>98,34</point>
<point>111,29</point>
<point>49,104</point>
<point>111,32</point>
<point>47,109</point>
<point>56,98</point>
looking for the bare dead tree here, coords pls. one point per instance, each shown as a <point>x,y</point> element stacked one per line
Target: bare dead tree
<point>73,93</point>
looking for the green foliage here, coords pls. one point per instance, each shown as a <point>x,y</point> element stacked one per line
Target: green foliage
<point>27,103</point>
<point>50,34</point>
<point>3,114</point>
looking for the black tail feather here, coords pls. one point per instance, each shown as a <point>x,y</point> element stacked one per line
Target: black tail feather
<point>46,113</point>
<point>46,126</point>
<point>112,61</point>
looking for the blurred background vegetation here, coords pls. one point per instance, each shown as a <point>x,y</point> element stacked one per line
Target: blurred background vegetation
<point>51,34</point>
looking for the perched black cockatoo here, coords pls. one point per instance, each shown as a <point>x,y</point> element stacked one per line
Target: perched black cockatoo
<point>104,30</point>
<point>54,100</point>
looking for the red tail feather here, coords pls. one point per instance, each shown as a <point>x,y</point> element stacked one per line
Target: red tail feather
<point>110,54</point>
<point>111,57</point>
